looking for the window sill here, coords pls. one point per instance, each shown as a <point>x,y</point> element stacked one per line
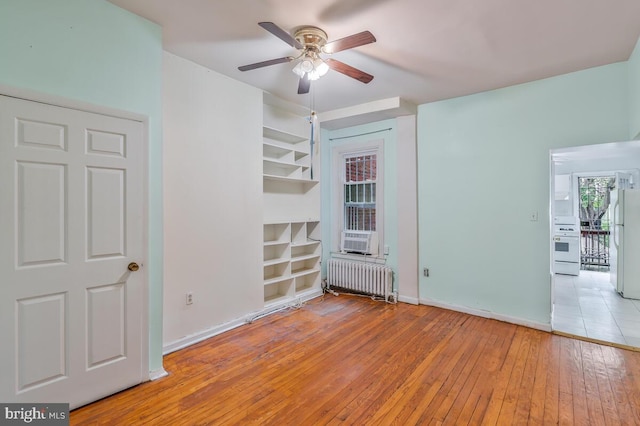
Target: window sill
<point>381,260</point>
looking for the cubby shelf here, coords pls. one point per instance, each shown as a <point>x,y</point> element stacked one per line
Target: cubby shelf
<point>291,259</point>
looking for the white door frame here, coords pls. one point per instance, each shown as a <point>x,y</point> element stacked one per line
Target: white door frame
<point>59,101</point>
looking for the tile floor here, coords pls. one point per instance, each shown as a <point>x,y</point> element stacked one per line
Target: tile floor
<point>588,305</point>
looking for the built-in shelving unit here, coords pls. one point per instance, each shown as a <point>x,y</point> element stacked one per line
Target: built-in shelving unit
<point>291,196</point>
<point>286,156</point>
<point>291,260</point>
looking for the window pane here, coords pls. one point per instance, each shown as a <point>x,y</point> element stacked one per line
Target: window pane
<point>360,193</point>
<point>360,218</point>
<point>360,173</point>
<point>361,168</point>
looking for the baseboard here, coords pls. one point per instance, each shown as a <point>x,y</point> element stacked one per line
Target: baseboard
<point>410,300</point>
<point>487,314</point>
<point>293,302</point>
<point>203,335</point>
<point>221,328</point>
<point>311,294</point>
<point>157,374</point>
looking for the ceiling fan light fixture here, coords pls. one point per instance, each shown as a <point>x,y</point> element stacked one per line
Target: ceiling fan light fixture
<point>321,67</point>
<point>303,67</point>
<point>298,69</point>
<point>314,68</point>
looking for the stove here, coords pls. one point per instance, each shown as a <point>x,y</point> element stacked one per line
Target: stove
<point>566,245</point>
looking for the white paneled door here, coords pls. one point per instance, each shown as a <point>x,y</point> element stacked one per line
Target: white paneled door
<point>71,241</point>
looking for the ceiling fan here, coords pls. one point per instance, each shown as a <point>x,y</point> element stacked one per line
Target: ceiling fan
<point>311,42</point>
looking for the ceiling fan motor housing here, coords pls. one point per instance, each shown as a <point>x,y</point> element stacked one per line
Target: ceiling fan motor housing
<point>312,38</point>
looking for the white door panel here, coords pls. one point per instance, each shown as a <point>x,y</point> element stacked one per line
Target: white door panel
<point>72,219</point>
<point>42,225</point>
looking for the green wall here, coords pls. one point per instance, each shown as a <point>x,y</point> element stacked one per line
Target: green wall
<point>95,52</point>
<point>634,93</point>
<point>483,168</point>
<point>349,135</point>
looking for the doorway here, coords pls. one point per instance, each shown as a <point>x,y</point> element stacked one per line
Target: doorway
<point>587,304</point>
<point>594,206</point>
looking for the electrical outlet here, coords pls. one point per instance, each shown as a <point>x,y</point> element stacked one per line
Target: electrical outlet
<point>189,298</point>
<point>425,272</point>
<point>533,216</point>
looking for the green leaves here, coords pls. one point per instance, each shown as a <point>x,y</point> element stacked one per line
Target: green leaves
<point>595,197</point>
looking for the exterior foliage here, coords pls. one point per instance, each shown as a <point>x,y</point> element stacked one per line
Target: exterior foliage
<point>595,198</point>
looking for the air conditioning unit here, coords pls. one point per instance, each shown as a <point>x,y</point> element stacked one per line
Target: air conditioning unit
<point>363,242</point>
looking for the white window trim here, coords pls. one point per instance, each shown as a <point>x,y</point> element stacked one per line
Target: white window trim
<point>337,191</point>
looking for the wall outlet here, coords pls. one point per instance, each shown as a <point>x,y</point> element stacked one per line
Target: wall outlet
<point>533,216</point>
<point>425,272</point>
<point>189,298</point>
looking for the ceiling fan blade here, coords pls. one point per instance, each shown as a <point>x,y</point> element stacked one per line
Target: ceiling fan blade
<point>349,42</point>
<point>304,85</point>
<point>348,70</point>
<point>281,34</point>
<point>265,63</point>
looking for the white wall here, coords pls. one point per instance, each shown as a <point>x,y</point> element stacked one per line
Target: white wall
<point>634,93</point>
<point>407,210</point>
<point>212,200</point>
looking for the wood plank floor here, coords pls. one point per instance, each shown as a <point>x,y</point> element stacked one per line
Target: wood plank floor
<point>349,360</point>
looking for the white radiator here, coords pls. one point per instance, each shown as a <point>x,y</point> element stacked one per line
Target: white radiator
<point>362,277</point>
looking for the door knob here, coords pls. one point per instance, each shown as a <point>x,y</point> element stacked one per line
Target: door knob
<point>133,266</point>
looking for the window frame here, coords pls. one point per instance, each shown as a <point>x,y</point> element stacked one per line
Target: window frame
<point>339,154</point>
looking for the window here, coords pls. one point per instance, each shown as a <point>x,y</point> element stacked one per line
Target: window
<point>360,180</point>
<point>357,192</point>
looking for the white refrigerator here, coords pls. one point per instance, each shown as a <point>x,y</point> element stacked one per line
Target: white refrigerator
<point>624,247</point>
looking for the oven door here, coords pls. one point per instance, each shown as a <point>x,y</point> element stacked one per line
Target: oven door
<point>566,249</point>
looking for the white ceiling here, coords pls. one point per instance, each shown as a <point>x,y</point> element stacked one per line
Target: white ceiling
<point>426,50</point>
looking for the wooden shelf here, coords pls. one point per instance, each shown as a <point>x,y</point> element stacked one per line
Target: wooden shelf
<point>278,290</point>
<point>281,163</point>
<point>304,243</point>
<point>275,261</point>
<point>303,271</point>
<point>277,148</point>
<point>276,279</point>
<point>272,300</point>
<point>282,135</point>
<point>275,243</point>
<point>304,257</point>
<point>289,180</point>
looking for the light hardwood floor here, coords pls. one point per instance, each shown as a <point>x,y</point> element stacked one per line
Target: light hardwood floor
<point>350,360</point>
